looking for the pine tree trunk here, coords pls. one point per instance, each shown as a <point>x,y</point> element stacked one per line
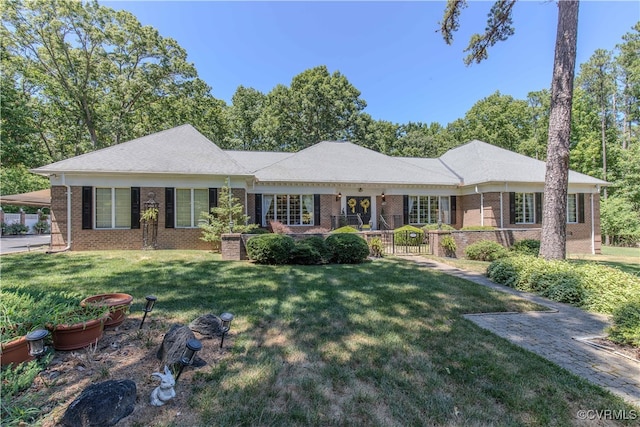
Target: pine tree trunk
<point>554,218</point>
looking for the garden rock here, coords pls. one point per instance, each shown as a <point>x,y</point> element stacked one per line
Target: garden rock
<point>208,325</point>
<point>101,404</point>
<point>173,346</point>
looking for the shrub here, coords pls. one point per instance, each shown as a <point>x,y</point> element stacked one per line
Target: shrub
<point>485,250</point>
<point>376,247</point>
<point>258,231</point>
<point>305,254</point>
<point>270,248</point>
<point>527,246</point>
<point>41,227</point>
<point>319,245</point>
<point>408,235</point>
<point>345,229</point>
<point>16,228</point>
<point>626,324</point>
<point>449,245</point>
<point>607,288</point>
<point>347,248</point>
<point>279,228</point>
<point>317,230</point>
<point>437,227</point>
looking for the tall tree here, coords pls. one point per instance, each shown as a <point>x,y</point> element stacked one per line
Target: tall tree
<point>317,106</point>
<point>629,63</point>
<point>499,28</point>
<point>597,78</point>
<point>246,107</point>
<point>100,74</point>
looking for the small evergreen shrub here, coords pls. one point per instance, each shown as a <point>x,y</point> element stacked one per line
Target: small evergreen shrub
<point>16,228</point>
<point>319,245</point>
<point>408,235</point>
<point>347,248</point>
<point>345,229</point>
<point>270,248</point>
<point>527,247</point>
<point>258,231</point>
<point>449,245</point>
<point>305,254</point>
<point>376,247</point>
<point>626,324</point>
<point>485,250</point>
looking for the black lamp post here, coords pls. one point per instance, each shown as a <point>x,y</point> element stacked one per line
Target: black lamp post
<point>226,325</point>
<point>151,300</point>
<point>35,340</point>
<point>193,346</point>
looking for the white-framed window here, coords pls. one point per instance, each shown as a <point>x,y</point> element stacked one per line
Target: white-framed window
<point>112,207</point>
<point>525,208</point>
<point>289,209</point>
<point>572,208</point>
<point>429,209</point>
<point>190,203</point>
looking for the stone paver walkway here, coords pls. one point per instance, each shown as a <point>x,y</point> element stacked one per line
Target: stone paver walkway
<point>557,335</point>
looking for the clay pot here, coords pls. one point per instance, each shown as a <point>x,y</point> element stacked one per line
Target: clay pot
<point>79,335</point>
<point>15,351</point>
<point>118,306</point>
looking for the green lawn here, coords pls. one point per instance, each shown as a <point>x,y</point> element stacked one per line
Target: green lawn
<point>378,344</point>
<point>625,259</point>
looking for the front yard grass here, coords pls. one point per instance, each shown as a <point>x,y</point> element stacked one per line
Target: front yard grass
<point>378,344</point>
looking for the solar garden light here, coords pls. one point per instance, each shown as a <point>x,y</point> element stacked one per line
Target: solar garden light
<point>151,300</point>
<point>193,346</point>
<point>35,340</point>
<point>226,325</point>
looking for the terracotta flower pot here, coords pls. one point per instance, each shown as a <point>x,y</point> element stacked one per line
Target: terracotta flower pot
<point>15,351</point>
<point>118,306</point>
<point>78,335</point>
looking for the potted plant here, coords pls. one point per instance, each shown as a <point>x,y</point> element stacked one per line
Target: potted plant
<point>117,303</point>
<point>19,315</point>
<point>73,326</point>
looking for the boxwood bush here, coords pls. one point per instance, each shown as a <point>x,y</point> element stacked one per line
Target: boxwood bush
<point>347,248</point>
<point>311,250</point>
<point>485,250</point>
<point>438,227</point>
<point>270,248</point>
<point>345,229</point>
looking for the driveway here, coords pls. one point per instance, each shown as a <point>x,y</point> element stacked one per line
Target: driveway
<point>25,243</point>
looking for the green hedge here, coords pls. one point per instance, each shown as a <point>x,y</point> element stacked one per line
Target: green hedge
<point>347,248</point>
<point>594,287</point>
<point>309,251</point>
<point>527,247</point>
<point>270,248</point>
<point>345,229</point>
<point>485,250</point>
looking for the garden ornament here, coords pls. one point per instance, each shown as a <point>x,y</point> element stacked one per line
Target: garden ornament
<point>164,392</point>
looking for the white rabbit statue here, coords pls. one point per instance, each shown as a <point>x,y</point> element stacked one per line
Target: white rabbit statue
<point>164,392</point>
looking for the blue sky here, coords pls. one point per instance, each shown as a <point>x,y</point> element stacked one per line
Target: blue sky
<point>390,51</point>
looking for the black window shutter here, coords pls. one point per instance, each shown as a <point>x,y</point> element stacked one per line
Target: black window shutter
<point>135,207</point>
<point>258,209</point>
<point>87,208</point>
<point>512,208</point>
<point>453,209</point>
<point>316,210</point>
<point>169,211</point>
<point>405,209</point>
<point>581,208</point>
<point>538,218</point>
<point>213,199</point>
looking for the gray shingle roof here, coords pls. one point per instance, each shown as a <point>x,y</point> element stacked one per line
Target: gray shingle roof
<point>254,160</point>
<point>344,162</point>
<point>478,162</point>
<point>180,150</point>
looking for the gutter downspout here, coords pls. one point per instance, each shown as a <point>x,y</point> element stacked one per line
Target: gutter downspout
<point>481,207</point>
<point>593,227</point>
<point>66,248</point>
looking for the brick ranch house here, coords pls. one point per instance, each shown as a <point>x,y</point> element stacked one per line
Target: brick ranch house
<point>97,198</point>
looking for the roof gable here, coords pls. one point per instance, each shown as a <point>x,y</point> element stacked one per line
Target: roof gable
<point>180,150</point>
<point>344,162</point>
<point>479,162</point>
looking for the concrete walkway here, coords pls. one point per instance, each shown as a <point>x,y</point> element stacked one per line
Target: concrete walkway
<point>557,335</point>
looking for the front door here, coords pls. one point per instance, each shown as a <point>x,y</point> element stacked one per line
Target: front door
<point>360,205</point>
